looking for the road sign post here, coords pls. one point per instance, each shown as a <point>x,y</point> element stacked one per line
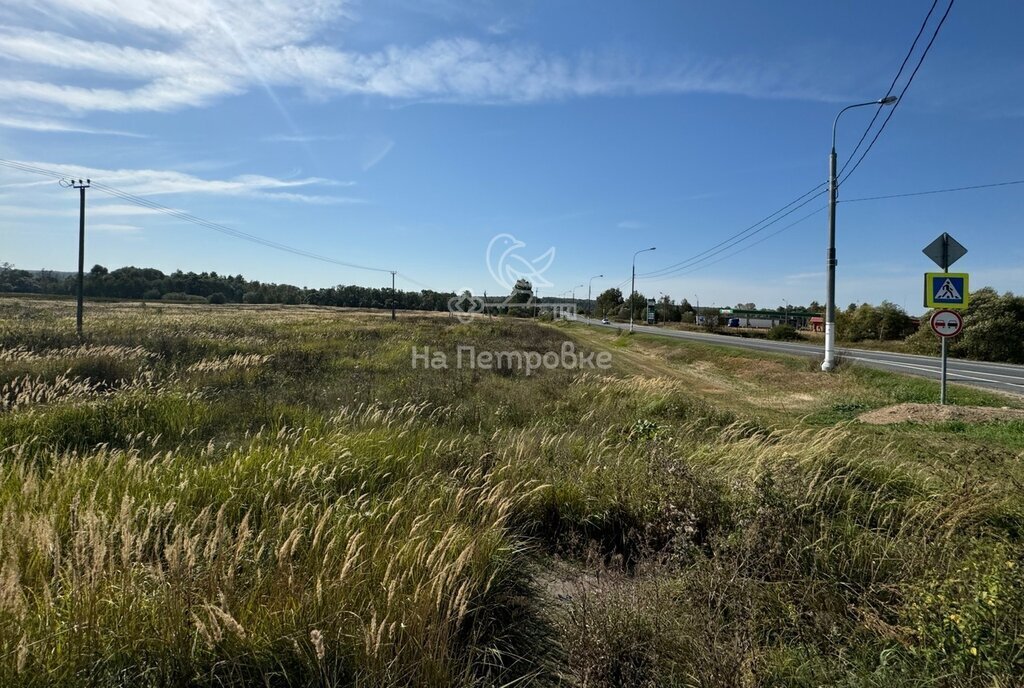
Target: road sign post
<point>945,290</point>
<point>945,324</point>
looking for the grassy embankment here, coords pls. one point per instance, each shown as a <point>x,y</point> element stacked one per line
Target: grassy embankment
<point>218,496</point>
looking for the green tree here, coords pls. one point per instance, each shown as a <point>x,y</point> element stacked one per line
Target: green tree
<point>521,293</point>
<point>996,331</point>
<point>668,311</point>
<point>609,301</point>
<point>884,322</point>
<point>638,304</point>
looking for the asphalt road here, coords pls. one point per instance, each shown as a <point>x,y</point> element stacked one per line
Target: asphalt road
<point>1002,377</point>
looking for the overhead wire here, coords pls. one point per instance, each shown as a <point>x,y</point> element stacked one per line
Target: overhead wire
<point>748,246</point>
<point>895,79</point>
<point>892,110</point>
<point>732,241</point>
<point>766,222</point>
<point>194,219</point>
<point>934,191</point>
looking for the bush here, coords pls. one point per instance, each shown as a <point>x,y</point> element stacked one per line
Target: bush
<point>186,298</point>
<point>216,298</point>
<point>783,332</point>
<point>884,322</point>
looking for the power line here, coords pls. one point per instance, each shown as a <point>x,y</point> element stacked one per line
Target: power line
<point>756,228</point>
<point>906,86</point>
<point>736,238</point>
<point>849,200</point>
<point>878,110</point>
<point>934,191</point>
<point>751,245</point>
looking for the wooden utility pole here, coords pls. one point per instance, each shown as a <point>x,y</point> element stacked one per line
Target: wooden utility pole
<point>81,186</point>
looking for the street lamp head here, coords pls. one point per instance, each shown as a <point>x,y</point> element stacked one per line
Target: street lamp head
<point>888,100</point>
<point>652,248</point>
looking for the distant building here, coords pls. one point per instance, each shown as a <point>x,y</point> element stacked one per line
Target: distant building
<point>769,319</point>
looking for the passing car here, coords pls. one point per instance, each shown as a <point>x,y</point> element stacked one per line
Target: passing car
<point>604,321</point>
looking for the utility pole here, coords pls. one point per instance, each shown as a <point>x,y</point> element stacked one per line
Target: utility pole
<point>830,255</point>
<point>393,295</point>
<point>81,186</point>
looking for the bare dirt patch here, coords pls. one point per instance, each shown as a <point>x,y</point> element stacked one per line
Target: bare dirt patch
<point>934,413</point>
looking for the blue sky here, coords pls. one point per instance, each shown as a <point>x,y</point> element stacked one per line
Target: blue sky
<point>405,134</point>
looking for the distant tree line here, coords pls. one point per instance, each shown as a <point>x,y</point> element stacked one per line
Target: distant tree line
<point>151,284</point>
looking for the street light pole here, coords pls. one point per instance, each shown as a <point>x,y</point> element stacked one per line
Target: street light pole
<point>578,286</point>
<point>830,257</point>
<point>590,304</point>
<point>632,286</point>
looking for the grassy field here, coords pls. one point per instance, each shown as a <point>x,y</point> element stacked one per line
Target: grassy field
<point>275,496</point>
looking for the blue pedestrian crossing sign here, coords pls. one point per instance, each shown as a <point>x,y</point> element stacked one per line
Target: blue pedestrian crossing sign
<point>946,290</point>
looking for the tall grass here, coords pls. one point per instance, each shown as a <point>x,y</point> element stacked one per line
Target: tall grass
<point>203,496</point>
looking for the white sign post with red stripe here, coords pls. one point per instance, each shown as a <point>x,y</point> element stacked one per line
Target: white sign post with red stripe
<point>946,324</point>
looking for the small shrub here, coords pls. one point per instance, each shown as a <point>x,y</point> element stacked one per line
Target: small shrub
<point>783,332</point>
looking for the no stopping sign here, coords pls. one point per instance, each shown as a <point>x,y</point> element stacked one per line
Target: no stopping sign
<point>946,323</point>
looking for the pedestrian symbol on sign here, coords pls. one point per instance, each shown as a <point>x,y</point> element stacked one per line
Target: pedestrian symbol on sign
<point>947,292</point>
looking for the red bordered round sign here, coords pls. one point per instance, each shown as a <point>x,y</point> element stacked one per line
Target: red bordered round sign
<point>946,323</point>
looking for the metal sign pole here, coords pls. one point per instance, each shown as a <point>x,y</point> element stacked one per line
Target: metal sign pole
<point>944,251</point>
<point>942,393</point>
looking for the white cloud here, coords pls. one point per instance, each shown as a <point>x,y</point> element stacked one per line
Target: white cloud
<point>189,54</point>
<point>378,154</point>
<point>55,126</point>
<point>164,182</point>
<point>302,138</point>
<point>115,228</point>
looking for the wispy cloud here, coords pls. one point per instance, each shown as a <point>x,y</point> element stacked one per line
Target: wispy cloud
<point>630,224</point>
<point>58,126</point>
<point>378,154</point>
<point>143,182</point>
<point>220,48</point>
<point>114,228</point>
<point>302,138</point>
<point>802,276</point>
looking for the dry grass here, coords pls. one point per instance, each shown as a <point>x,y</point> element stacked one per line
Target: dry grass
<point>236,496</point>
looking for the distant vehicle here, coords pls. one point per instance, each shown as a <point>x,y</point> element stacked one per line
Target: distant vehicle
<point>734,322</point>
<point>604,321</point>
